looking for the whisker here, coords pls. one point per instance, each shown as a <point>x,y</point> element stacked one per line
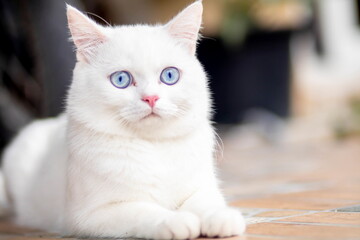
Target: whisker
<point>97,16</point>
<point>219,147</point>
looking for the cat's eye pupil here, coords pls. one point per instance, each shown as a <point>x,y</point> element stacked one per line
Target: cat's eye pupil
<point>170,75</point>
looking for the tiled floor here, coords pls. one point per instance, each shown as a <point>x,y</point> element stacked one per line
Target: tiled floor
<point>296,191</point>
<point>308,190</point>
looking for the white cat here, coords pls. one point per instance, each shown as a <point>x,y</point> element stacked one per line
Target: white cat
<point>133,156</point>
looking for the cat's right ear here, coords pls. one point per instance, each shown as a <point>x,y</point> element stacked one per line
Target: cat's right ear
<point>85,33</point>
<point>186,25</point>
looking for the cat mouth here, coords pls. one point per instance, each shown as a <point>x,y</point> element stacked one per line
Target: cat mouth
<point>151,115</point>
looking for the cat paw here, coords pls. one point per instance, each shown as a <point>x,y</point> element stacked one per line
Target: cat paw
<point>224,222</point>
<point>180,225</point>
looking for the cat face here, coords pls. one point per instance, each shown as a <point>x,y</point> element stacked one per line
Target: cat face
<point>143,79</point>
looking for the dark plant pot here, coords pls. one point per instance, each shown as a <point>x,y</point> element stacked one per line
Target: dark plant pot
<point>255,74</point>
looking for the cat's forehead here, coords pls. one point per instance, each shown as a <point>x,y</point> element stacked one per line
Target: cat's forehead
<point>141,45</point>
<point>142,39</point>
<point>136,30</point>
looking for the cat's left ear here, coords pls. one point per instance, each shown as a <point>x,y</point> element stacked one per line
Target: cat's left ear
<point>186,25</point>
<point>85,33</point>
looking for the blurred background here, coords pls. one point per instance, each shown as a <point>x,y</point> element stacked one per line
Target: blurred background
<point>280,70</point>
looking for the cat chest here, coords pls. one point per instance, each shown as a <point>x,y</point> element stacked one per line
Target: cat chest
<point>161,162</point>
<point>165,174</point>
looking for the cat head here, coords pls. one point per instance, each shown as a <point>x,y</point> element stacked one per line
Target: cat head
<point>141,79</point>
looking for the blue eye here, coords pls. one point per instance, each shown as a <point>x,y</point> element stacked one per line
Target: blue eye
<point>121,79</point>
<point>170,75</point>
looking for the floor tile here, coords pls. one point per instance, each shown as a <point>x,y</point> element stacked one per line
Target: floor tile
<point>9,228</point>
<point>304,231</point>
<point>284,202</point>
<point>327,217</point>
<point>355,208</point>
<point>254,220</point>
<point>25,238</point>
<point>247,237</point>
<point>332,193</point>
<point>276,214</point>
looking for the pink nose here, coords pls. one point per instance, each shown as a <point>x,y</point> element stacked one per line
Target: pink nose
<point>151,100</point>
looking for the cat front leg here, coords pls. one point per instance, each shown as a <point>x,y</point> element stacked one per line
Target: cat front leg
<point>138,220</point>
<point>216,218</point>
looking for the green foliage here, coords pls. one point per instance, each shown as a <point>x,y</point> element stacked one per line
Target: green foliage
<point>350,126</point>
<point>239,18</point>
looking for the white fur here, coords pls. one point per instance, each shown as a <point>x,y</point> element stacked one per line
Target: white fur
<point>106,168</point>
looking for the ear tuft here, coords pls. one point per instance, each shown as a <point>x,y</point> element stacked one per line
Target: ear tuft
<point>85,33</point>
<point>186,25</point>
